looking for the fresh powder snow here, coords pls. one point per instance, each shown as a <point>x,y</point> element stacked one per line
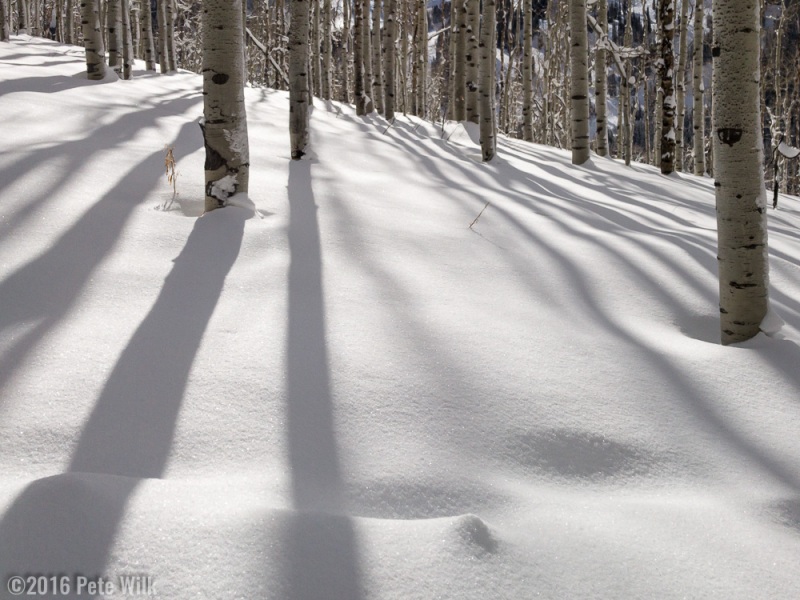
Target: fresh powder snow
<point>337,389</point>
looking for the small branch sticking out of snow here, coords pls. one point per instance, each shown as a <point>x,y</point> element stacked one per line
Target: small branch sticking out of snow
<point>479,215</point>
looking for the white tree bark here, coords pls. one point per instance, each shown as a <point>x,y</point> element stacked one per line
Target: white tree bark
<point>458,60</point>
<point>389,44</point>
<point>299,95</point>
<point>680,78</point>
<point>5,30</point>
<point>698,93</point>
<point>421,54</point>
<point>527,70</point>
<point>377,71</point>
<point>348,51</point>
<point>579,81</point>
<point>161,14</point>
<point>169,17</point>
<point>472,58</point>
<point>600,80</point>
<point>127,41</point>
<point>70,22</point>
<point>738,160</point>
<point>666,67</point>
<point>358,58</point>
<point>93,39</point>
<point>366,56</point>
<point>224,117</point>
<point>147,37</point>
<point>487,77</point>
<point>114,26</point>
<point>327,51</point>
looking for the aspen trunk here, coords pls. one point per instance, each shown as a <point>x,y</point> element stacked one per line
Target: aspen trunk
<point>527,71</point>
<point>668,104</point>
<point>698,110</point>
<point>161,13</point>
<point>327,51</point>
<point>114,25</point>
<point>377,82</point>
<point>147,37</point>
<point>389,44</point>
<point>70,22</point>
<point>458,59</point>
<point>127,41</point>
<point>366,57</point>
<point>5,30</point>
<point>601,78</point>
<point>472,58</point>
<point>358,58</point>
<point>625,100</point>
<point>487,76</point>
<point>421,54</point>
<point>169,17</point>
<point>93,39</point>
<point>299,94</point>
<point>681,84</point>
<point>224,119</point>
<point>579,82</point>
<point>348,51</point>
<point>738,159</point>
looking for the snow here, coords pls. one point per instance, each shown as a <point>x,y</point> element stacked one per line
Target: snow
<point>788,151</point>
<point>224,187</point>
<point>336,389</point>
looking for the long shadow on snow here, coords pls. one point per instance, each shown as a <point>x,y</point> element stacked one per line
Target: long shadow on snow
<point>320,541</point>
<point>68,523</point>
<point>694,400</point>
<point>78,153</point>
<point>45,289</point>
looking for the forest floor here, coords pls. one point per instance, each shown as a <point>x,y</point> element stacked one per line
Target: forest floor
<point>340,390</point>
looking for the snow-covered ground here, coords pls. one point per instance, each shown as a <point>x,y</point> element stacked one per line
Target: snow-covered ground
<point>344,392</point>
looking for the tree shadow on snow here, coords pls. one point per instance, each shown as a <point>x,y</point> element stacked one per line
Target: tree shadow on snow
<point>68,523</point>
<point>41,293</point>
<point>320,542</point>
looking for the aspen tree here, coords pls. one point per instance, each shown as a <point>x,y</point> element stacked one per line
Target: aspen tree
<point>377,74</point>
<point>389,44</point>
<point>680,80</point>
<point>93,39</point>
<point>169,19</point>
<point>327,51</point>
<point>626,137</point>
<point>366,57</point>
<point>600,79</point>
<point>487,76</point>
<point>114,27</point>
<point>698,89</point>
<point>127,41</point>
<point>579,82</point>
<point>739,177</point>
<point>5,30</point>
<point>472,58</point>
<point>224,123</point>
<point>358,55</point>
<point>458,59</point>
<point>527,71</point>
<point>421,54</point>
<point>161,14</point>
<point>299,94</point>
<point>147,37</point>
<point>348,51</point>
<point>666,66</point>
<point>70,22</point>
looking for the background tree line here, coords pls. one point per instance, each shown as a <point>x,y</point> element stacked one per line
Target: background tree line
<point>436,46</point>
<point>518,67</point>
